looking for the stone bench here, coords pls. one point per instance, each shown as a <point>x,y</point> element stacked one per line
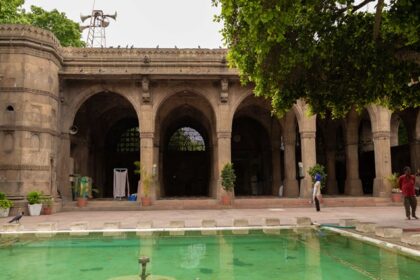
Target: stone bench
<point>144,225</point>
<point>303,221</point>
<point>271,222</point>
<point>389,232</point>
<point>240,223</point>
<point>208,224</point>
<point>176,224</point>
<point>348,222</point>
<point>79,228</point>
<point>366,227</point>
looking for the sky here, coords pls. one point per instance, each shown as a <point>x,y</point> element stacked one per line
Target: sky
<point>148,23</point>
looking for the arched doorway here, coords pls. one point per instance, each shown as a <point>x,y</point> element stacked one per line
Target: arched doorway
<point>186,163</point>
<point>185,135</point>
<point>251,157</point>
<point>107,137</point>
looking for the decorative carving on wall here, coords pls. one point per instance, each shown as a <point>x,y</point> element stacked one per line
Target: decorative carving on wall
<point>145,90</point>
<point>224,94</point>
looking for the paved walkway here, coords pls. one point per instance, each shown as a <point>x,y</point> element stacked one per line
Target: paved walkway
<point>384,216</point>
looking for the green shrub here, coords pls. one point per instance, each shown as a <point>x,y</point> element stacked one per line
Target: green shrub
<point>228,177</point>
<point>320,169</point>
<point>34,197</point>
<point>4,202</point>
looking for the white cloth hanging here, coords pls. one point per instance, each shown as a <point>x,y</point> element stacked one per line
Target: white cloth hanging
<point>120,182</point>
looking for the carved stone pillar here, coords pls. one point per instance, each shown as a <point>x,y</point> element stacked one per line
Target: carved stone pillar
<point>307,139</point>
<point>382,144</point>
<point>291,186</point>
<point>415,154</point>
<point>353,184</point>
<point>146,160</point>
<point>381,131</point>
<point>223,157</point>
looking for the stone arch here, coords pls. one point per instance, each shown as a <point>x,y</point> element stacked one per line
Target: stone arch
<point>186,109</point>
<point>257,159</point>
<point>101,120</point>
<point>86,93</point>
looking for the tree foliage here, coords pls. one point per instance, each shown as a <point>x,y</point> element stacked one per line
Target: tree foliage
<point>66,30</point>
<point>324,52</point>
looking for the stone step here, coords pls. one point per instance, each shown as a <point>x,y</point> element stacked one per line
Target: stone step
<point>239,203</point>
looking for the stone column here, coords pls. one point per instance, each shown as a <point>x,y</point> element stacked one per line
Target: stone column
<point>381,131</point>
<point>331,176</point>
<point>64,185</point>
<point>146,160</point>
<point>223,157</point>
<point>353,184</point>
<point>307,139</point>
<point>415,154</point>
<point>291,186</point>
<point>146,126</point>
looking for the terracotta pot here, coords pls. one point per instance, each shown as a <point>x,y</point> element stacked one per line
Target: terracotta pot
<point>47,210</point>
<point>226,199</point>
<point>146,201</point>
<point>81,202</point>
<point>396,197</point>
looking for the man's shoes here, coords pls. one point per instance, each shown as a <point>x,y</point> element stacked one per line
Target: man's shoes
<point>415,217</point>
<point>408,218</point>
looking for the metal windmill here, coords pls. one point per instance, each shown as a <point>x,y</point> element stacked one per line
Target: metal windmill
<point>98,23</point>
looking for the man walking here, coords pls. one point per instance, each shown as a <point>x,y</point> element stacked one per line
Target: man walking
<point>406,184</point>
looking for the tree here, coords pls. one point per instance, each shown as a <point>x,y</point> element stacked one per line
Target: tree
<point>66,30</point>
<point>329,53</point>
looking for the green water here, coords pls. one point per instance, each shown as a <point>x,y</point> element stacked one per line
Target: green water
<point>289,255</point>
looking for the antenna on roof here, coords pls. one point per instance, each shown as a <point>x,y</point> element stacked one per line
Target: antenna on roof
<point>98,22</point>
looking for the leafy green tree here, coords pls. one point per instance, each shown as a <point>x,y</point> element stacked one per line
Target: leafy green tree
<point>327,52</point>
<point>66,30</point>
<point>11,11</point>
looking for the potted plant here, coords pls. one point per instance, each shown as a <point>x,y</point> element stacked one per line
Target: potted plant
<point>228,183</point>
<point>320,169</point>
<point>396,195</point>
<point>83,191</point>
<point>47,203</point>
<point>5,205</point>
<point>146,181</point>
<point>35,203</point>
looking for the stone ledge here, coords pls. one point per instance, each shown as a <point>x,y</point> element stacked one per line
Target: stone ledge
<point>78,226</point>
<point>366,227</point>
<point>206,224</point>
<point>176,224</point>
<point>389,232</point>
<point>348,222</point>
<point>144,225</point>
<point>303,221</point>
<point>411,239</point>
<point>112,226</point>
<point>240,223</point>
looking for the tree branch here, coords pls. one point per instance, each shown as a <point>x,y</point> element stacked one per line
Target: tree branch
<point>378,17</point>
<point>355,8</point>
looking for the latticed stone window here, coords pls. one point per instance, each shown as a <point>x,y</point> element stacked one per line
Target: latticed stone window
<point>186,139</point>
<point>129,141</point>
